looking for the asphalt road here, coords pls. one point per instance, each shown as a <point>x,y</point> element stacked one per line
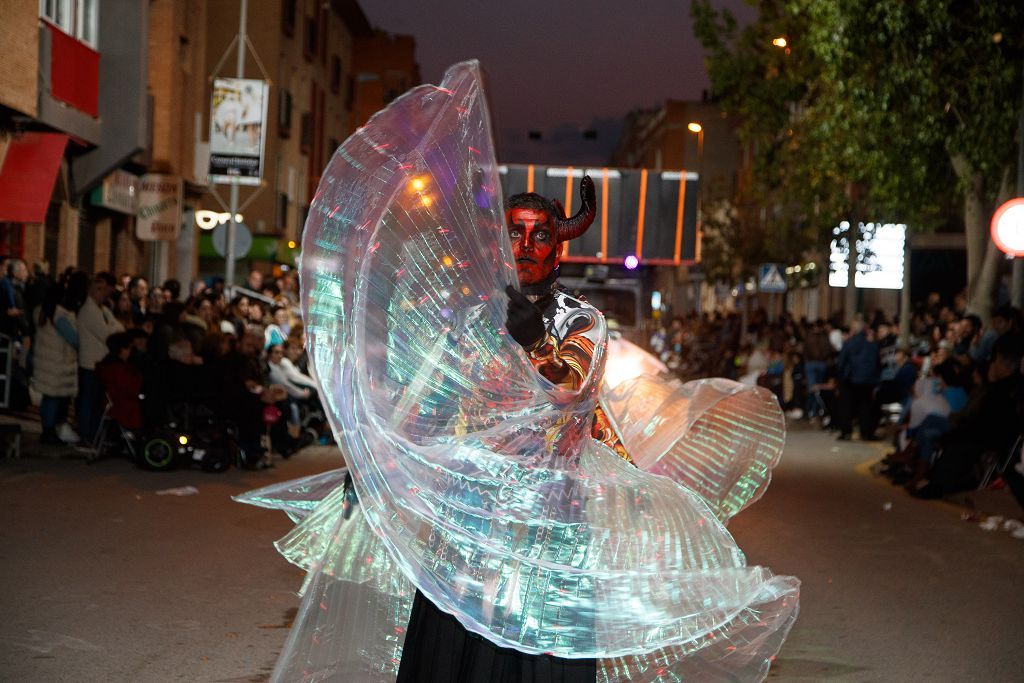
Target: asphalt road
<point>104,580</point>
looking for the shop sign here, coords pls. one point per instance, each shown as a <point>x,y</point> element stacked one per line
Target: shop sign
<point>159,214</point>
<point>118,192</point>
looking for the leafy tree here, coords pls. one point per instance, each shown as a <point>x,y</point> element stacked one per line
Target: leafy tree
<point>914,101</point>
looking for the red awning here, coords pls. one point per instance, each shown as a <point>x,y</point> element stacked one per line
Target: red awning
<point>26,180</point>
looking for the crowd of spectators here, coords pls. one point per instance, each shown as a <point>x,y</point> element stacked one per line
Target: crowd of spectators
<point>146,353</point>
<point>951,395</point>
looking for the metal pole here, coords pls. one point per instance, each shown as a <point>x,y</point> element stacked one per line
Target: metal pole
<point>905,303</point>
<point>1017,279</point>
<point>229,247</point>
<point>700,193</point>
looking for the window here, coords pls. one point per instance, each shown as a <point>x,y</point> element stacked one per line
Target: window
<point>309,43</point>
<point>335,74</point>
<point>322,24</point>
<point>77,18</point>
<point>306,133</point>
<point>284,113</point>
<point>282,212</point>
<point>288,15</point>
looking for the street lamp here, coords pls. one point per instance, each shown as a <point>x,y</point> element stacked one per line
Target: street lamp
<point>781,43</point>
<point>695,127</point>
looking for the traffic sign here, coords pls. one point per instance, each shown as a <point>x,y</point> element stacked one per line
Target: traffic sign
<point>243,240</point>
<point>770,278</point>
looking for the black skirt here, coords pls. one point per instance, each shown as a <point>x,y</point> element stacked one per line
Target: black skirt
<point>439,650</point>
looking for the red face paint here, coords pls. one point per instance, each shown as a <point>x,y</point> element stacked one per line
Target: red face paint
<point>533,243</point>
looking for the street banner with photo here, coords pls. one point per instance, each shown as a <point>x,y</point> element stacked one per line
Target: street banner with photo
<point>159,214</point>
<point>238,115</point>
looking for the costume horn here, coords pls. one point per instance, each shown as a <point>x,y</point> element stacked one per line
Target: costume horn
<point>571,228</point>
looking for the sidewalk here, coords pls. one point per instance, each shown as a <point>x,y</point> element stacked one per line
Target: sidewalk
<point>976,505</point>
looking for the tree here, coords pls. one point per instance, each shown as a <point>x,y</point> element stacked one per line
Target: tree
<point>915,101</point>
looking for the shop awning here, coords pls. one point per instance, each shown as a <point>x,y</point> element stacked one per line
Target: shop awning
<point>27,177</point>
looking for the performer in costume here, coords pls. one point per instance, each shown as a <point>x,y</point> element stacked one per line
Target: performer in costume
<point>493,497</point>
<point>559,334</point>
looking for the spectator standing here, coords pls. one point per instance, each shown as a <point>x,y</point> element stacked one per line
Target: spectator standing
<point>56,358</point>
<point>123,309</point>
<point>14,321</point>
<point>859,372</point>
<point>96,322</point>
<point>172,290</point>
<point>817,353</point>
<point>138,290</point>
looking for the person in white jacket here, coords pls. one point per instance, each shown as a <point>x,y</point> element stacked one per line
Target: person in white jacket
<point>56,357</point>
<point>96,322</point>
<point>282,371</point>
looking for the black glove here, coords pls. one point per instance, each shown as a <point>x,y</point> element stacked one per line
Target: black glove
<point>524,321</point>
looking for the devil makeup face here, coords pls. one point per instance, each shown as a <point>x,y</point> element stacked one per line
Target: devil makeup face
<point>534,244</point>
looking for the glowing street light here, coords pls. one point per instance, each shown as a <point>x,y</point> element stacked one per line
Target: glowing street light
<point>695,127</point>
<point>780,42</point>
<point>1008,227</point>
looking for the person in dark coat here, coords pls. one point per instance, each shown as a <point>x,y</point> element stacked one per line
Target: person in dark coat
<point>859,373</point>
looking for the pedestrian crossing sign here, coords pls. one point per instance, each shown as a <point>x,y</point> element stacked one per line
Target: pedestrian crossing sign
<point>770,278</point>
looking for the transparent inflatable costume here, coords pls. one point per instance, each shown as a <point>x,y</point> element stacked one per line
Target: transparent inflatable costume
<point>478,482</point>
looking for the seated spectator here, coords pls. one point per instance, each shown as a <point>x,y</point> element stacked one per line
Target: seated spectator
<point>988,423</point>
<point>122,382</point>
<point>284,372</point>
<point>897,388</point>
<point>242,394</point>
<point>277,331</point>
<point>295,351</point>
<point>937,398</point>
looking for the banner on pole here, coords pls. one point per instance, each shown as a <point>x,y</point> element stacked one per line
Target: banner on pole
<point>159,213</point>
<point>238,117</point>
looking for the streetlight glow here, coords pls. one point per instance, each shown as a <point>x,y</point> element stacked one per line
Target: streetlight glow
<point>694,127</point>
<point>780,42</point>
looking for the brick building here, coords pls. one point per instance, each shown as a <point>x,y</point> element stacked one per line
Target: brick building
<point>73,108</point>
<point>106,103</point>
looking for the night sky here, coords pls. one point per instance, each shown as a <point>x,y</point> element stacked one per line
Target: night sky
<point>559,67</point>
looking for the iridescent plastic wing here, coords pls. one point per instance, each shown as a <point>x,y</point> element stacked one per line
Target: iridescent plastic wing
<point>478,481</point>
<point>717,437</point>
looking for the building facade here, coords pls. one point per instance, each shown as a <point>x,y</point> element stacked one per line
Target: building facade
<point>105,124</point>
<point>74,108</point>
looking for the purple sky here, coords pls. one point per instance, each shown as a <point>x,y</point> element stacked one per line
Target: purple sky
<point>559,67</point>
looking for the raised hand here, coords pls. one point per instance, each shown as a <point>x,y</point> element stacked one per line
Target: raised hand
<point>524,321</point>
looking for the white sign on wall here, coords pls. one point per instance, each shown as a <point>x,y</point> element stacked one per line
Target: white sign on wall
<point>118,192</point>
<point>159,214</point>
